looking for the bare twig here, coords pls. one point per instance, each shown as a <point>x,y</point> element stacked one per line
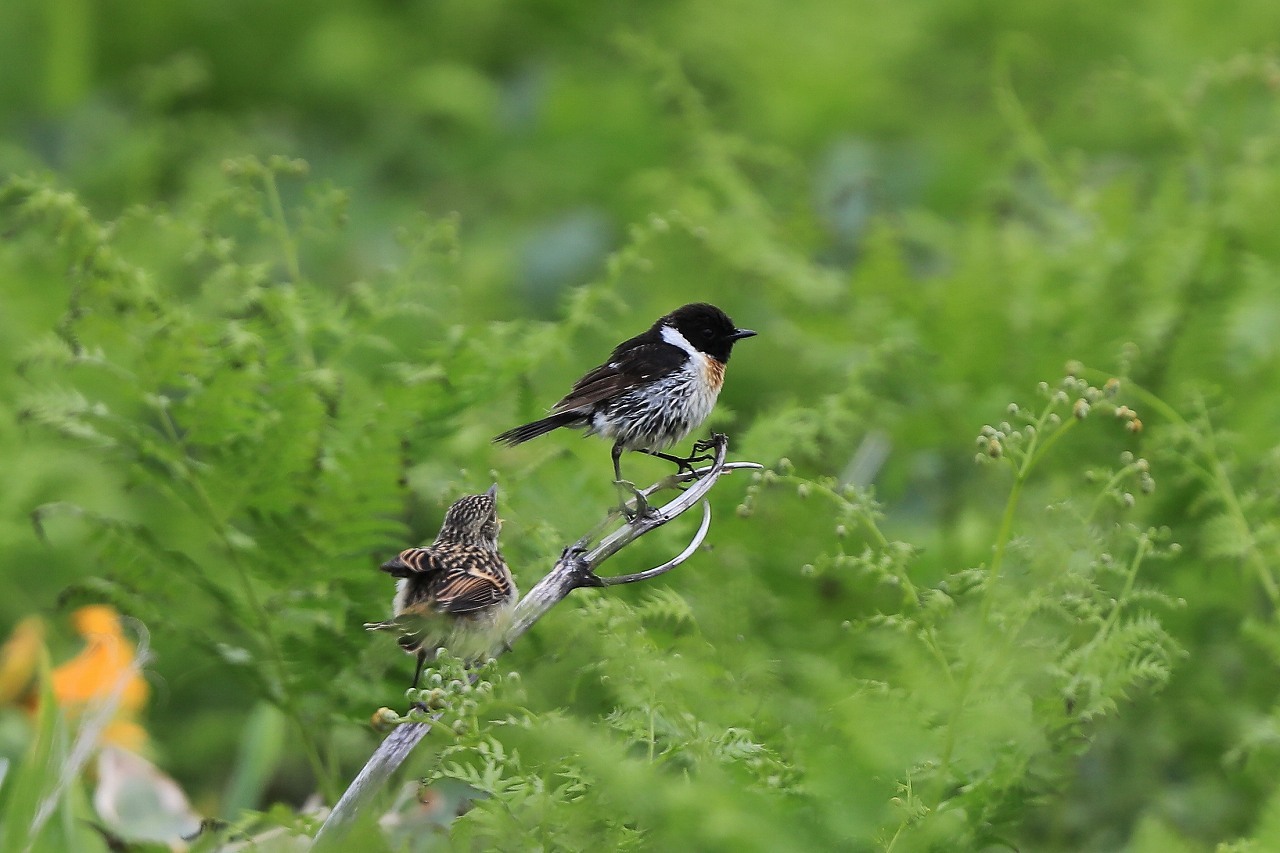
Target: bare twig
<point>669,564</point>
<point>386,759</point>
<point>576,568</point>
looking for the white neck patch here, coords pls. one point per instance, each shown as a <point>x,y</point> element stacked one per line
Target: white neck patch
<point>672,335</point>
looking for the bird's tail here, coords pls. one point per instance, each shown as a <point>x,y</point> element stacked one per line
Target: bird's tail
<point>523,433</point>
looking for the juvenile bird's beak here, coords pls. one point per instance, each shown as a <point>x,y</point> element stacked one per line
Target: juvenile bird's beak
<point>493,491</point>
<point>739,334</point>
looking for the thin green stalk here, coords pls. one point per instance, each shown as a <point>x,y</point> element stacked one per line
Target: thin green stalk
<point>287,243</point>
<point>893,841</point>
<point>1029,139</point>
<point>290,249</point>
<point>286,700</point>
<point>880,539</point>
<point>1035,451</point>
<point>877,535</point>
<point>1217,479</point>
<point>1115,480</point>
<point>653,732</point>
<point>930,642</point>
<point>1131,578</point>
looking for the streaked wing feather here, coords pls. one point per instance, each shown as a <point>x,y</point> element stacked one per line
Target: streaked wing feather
<point>464,592</point>
<point>600,384</point>
<point>417,561</point>
<point>633,363</point>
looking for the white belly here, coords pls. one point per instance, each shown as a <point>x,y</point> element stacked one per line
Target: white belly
<point>663,413</point>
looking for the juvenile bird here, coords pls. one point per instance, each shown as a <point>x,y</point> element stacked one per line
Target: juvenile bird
<point>457,592</point>
<point>655,388</point>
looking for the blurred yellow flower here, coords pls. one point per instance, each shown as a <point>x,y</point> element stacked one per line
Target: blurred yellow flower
<point>18,659</point>
<point>104,668</point>
<point>105,665</point>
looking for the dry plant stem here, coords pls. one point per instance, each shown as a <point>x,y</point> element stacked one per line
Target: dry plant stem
<point>576,568</point>
<point>389,755</point>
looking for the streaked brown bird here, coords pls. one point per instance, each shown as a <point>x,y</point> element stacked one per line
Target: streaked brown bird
<point>457,592</point>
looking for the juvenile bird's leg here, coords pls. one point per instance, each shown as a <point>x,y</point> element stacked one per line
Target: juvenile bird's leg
<point>417,673</point>
<point>412,644</point>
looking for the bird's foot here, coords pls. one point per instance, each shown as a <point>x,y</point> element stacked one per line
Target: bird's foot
<point>642,507</point>
<point>382,626</point>
<point>684,464</point>
<point>703,448</point>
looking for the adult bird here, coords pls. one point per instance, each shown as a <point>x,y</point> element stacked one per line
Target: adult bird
<point>653,390</point>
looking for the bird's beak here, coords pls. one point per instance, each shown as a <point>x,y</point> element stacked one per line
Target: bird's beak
<point>739,334</point>
<point>493,491</point>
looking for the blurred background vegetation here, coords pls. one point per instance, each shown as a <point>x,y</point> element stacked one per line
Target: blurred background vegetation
<point>274,274</point>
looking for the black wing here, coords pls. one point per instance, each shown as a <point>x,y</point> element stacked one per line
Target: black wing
<point>633,363</point>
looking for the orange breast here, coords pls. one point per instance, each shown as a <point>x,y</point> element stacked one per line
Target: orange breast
<point>713,372</point>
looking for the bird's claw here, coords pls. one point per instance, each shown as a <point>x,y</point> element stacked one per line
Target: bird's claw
<point>572,551</point>
<point>685,465</point>
<point>706,445</point>
<point>703,451</point>
<point>642,509</point>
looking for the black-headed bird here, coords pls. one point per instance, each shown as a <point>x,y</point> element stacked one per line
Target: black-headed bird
<point>654,389</point>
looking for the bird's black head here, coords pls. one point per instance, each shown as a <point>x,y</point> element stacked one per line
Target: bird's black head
<point>473,520</point>
<point>706,327</point>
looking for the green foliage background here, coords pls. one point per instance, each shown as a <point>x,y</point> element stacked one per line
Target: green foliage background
<point>273,275</point>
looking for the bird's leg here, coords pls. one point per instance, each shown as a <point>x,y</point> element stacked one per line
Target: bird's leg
<point>629,491</point>
<point>617,461</point>
<point>627,488</point>
<point>417,676</point>
<point>702,452</point>
<point>682,464</point>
